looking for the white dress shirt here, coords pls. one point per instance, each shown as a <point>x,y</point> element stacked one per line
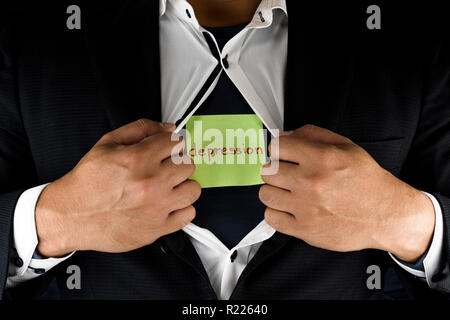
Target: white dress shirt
<point>257,59</point>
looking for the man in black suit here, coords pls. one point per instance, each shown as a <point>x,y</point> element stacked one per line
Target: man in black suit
<point>366,119</point>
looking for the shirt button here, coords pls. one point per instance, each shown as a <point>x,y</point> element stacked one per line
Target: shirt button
<point>225,62</point>
<point>39,271</point>
<point>233,256</point>
<point>18,262</point>
<point>188,13</point>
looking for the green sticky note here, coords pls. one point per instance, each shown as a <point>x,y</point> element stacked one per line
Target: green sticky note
<point>228,150</point>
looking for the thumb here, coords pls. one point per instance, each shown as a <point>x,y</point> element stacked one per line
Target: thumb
<point>136,131</point>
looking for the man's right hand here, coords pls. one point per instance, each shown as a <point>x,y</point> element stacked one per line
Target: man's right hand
<point>124,194</point>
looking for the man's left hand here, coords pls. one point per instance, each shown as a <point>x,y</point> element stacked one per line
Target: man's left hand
<point>332,194</point>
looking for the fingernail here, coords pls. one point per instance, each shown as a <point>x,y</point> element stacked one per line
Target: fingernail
<point>168,125</point>
<point>286,133</point>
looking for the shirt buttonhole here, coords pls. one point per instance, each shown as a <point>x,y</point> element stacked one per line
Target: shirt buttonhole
<point>225,62</point>
<point>233,256</point>
<point>261,17</point>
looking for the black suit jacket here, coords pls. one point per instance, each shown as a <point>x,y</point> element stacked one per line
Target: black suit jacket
<point>61,90</point>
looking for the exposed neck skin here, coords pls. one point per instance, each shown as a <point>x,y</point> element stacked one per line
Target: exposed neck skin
<point>223,13</point>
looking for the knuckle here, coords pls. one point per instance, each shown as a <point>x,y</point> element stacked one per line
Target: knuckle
<point>266,178</point>
<point>107,136</point>
<point>143,188</point>
<point>163,142</point>
<point>143,123</point>
<point>135,154</point>
<point>316,185</point>
<point>187,170</point>
<point>312,211</point>
<point>195,191</point>
<point>169,137</point>
<point>265,195</point>
<point>190,193</point>
<point>154,143</point>
<point>191,168</point>
<point>190,213</point>
<point>329,156</point>
<point>152,188</point>
<point>307,128</point>
<point>186,217</point>
<point>190,198</point>
<point>195,185</point>
<point>272,219</point>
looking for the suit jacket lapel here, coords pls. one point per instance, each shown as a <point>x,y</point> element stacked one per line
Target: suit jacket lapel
<point>267,249</point>
<point>123,39</point>
<point>179,244</point>
<point>321,58</point>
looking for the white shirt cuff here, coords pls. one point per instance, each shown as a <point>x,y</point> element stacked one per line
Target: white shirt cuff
<point>432,261</point>
<point>26,240</point>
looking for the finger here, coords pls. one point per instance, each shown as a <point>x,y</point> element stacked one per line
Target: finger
<point>290,148</point>
<point>136,131</point>
<point>276,198</point>
<point>285,176</point>
<point>184,195</point>
<point>177,173</point>
<point>162,145</point>
<point>179,219</point>
<point>321,135</point>
<point>281,221</point>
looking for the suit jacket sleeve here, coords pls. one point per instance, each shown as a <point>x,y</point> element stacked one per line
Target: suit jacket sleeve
<point>17,171</point>
<point>427,166</point>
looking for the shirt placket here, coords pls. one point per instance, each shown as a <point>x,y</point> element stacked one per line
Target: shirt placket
<point>231,52</point>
